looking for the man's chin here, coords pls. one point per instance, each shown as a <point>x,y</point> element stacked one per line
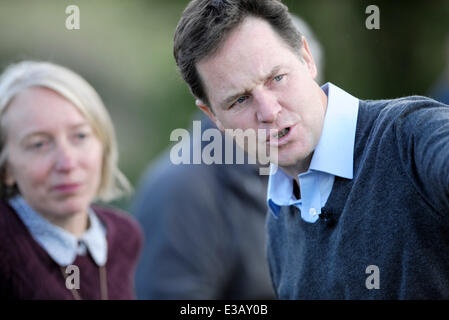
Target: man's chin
<point>284,159</point>
<point>298,161</point>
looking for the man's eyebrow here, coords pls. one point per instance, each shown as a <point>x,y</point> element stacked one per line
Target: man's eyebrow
<point>273,72</point>
<point>231,99</point>
<point>234,97</point>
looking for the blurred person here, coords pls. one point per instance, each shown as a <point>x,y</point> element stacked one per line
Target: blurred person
<point>205,225</point>
<point>204,230</point>
<point>359,190</point>
<point>58,154</point>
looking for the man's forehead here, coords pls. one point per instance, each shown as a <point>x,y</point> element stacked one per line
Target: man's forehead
<point>250,28</point>
<point>247,55</point>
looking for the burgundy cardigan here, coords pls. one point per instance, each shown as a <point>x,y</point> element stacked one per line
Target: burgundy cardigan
<point>28,272</point>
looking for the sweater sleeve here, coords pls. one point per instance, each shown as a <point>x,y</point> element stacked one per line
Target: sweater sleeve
<point>423,136</point>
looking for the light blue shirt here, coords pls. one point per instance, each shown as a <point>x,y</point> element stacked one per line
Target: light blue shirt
<point>333,156</point>
<point>62,246</point>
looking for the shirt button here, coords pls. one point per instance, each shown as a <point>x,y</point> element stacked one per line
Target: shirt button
<point>312,211</point>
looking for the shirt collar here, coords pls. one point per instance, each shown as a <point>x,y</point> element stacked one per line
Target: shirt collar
<point>334,153</point>
<point>62,246</point>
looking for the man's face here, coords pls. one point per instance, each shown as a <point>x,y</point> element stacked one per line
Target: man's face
<point>256,81</point>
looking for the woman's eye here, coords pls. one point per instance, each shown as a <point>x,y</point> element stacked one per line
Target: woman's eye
<point>81,135</point>
<point>37,145</point>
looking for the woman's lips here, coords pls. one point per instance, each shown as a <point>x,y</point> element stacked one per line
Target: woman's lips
<point>67,187</point>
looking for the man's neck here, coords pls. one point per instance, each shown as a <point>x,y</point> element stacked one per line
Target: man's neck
<point>295,170</point>
<point>298,168</point>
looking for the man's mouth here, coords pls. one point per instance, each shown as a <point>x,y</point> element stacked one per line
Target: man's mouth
<point>281,137</point>
<point>282,133</point>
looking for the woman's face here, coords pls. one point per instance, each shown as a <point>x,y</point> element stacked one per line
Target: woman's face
<point>53,155</point>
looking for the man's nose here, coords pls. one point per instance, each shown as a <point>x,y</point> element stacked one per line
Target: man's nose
<point>268,107</point>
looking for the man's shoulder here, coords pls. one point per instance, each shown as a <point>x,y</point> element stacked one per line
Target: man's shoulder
<point>400,107</point>
<point>400,112</point>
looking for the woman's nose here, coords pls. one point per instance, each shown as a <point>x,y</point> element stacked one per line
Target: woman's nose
<point>65,158</point>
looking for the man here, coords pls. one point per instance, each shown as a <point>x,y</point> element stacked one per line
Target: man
<point>360,206</point>
<point>206,241</point>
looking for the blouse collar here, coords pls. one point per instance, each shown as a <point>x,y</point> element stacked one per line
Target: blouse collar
<point>62,246</point>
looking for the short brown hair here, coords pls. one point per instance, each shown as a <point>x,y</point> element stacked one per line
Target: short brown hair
<point>205,24</point>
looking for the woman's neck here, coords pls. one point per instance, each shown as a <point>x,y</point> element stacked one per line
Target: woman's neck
<point>76,224</point>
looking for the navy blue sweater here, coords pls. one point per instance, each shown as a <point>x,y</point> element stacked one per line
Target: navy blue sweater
<point>394,214</point>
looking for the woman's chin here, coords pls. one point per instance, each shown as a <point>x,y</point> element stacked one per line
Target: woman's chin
<point>69,208</point>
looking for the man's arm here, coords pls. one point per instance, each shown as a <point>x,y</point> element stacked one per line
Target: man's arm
<point>423,136</point>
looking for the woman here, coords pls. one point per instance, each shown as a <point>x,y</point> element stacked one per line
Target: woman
<point>58,154</point>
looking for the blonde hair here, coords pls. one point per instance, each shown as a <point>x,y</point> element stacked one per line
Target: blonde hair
<point>26,74</point>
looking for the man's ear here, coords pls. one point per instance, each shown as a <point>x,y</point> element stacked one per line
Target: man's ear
<point>200,104</point>
<point>307,57</point>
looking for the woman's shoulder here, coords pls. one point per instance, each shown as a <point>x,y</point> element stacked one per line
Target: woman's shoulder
<point>9,221</point>
<point>119,224</point>
<point>7,224</point>
<point>17,247</point>
<point>111,215</point>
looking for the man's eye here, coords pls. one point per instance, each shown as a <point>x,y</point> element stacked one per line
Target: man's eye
<point>279,78</point>
<point>241,99</point>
